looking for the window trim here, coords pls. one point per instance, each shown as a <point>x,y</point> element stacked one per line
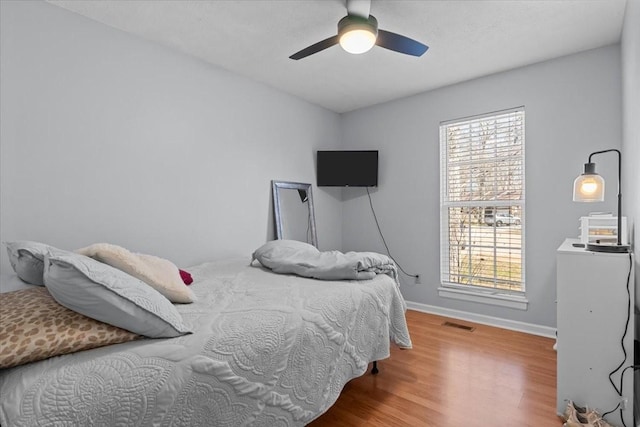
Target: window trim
<point>506,298</point>
<point>490,297</point>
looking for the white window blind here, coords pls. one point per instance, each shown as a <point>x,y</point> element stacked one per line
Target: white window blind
<point>482,202</point>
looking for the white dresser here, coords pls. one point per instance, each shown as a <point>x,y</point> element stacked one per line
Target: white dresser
<point>592,313</point>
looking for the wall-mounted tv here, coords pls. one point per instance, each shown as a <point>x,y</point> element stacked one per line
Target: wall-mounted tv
<point>347,168</point>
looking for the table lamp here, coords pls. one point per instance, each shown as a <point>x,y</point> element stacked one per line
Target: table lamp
<point>589,187</point>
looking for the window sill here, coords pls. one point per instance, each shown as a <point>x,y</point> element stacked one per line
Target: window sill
<point>502,300</point>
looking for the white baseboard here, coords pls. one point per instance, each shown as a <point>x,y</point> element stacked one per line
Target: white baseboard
<point>514,325</point>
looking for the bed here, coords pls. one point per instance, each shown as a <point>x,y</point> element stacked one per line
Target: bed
<point>266,350</point>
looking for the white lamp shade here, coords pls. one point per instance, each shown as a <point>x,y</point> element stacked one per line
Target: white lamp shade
<point>357,40</point>
<point>588,188</point>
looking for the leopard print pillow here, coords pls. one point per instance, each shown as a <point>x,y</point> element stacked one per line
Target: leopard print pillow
<point>33,326</point>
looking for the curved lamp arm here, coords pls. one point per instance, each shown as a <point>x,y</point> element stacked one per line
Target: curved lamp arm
<point>619,187</point>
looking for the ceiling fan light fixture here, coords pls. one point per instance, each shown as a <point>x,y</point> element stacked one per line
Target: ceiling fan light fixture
<point>356,34</point>
<point>357,41</point>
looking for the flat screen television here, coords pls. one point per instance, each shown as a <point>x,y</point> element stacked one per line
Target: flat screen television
<point>347,168</point>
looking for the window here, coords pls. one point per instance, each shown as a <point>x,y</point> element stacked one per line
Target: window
<point>482,205</point>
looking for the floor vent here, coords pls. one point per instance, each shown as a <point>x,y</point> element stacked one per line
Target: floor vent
<point>459,326</point>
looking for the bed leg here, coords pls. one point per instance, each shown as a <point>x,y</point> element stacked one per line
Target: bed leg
<point>374,370</point>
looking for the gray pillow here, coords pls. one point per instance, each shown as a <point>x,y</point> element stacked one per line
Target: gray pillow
<point>283,249</point>
<point>111,296</point>
<point>27,259</point>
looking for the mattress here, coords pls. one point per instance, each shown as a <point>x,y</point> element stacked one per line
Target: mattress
<point>267,350</point>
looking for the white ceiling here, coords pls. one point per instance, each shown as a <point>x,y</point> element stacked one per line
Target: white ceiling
<point>466,39</point>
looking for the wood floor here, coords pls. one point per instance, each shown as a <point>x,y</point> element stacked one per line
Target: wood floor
<point>489,377</point>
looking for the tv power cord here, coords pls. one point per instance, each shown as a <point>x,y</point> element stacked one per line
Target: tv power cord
<point>375,217</point>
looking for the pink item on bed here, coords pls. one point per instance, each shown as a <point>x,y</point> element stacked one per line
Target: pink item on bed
<point>186,277</point>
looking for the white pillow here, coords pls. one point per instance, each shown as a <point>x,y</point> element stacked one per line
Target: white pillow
<point>109,295</point>
<point>159,273</point>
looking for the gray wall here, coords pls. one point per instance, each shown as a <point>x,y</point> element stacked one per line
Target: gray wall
<point>631,124</point>
<point>106,137</point>
<point>572,108</point>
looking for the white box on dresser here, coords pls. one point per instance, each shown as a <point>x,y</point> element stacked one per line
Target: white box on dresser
<point>597,229</point>
<point>595,290</point>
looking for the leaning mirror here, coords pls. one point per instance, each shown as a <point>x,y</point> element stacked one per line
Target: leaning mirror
<point>293,212</point>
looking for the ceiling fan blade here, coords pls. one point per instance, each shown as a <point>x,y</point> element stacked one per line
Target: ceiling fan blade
<point>359,8</point>
<point>315,48</point>
<point>398,43</point>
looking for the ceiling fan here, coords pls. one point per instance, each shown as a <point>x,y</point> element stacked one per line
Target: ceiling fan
<point>358,32</point>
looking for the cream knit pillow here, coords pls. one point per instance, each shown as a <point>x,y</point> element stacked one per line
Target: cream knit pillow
<point>159,273</point>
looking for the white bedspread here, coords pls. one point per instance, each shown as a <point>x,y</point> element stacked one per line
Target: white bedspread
<point>268,350</point>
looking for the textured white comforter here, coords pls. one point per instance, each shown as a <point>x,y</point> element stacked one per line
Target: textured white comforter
<point>268,350</point>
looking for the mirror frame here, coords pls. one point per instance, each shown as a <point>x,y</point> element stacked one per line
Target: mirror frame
<point>286,185</point>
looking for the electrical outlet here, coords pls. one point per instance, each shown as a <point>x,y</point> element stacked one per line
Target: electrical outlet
<point>418,279</point>
<point>623,403</point>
